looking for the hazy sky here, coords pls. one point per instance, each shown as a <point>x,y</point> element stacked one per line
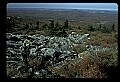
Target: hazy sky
<point>103,6</point>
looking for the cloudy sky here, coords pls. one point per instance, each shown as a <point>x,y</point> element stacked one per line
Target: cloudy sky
<point>98,6</point>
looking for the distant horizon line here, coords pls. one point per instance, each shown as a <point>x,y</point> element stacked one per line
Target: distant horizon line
<point>67,8</point>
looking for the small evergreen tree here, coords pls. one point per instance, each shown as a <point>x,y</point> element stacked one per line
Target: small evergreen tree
<point>57,26</point>
<point>9,25</point>
<point>79,27</point>
<point>26,26</point>
<point>45,26</point>
<point>113,27</point>
<point>65,24</point>
<point>100,28</point>
<point>104,29</point>
<point>51,25</point>
<point>37,23</point>
<point>90,28</point>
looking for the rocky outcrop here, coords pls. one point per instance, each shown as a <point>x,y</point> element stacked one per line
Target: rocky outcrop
<point>52,50</point>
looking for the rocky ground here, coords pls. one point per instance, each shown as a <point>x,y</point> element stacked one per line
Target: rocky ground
<point>34,56</point>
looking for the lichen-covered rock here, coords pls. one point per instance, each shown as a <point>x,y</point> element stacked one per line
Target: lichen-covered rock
<point>22,50</point>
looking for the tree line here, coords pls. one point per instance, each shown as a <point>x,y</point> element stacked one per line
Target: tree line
<point>53,28</point>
